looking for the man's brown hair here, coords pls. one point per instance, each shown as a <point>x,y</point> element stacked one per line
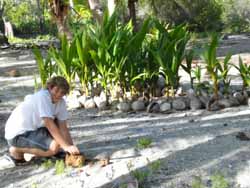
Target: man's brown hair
<point>60,82</point>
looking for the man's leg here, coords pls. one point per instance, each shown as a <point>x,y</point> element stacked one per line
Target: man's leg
<point>39,143</point>
<point>18,153</point>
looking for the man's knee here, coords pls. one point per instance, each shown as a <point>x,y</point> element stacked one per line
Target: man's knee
<point>54,148</point>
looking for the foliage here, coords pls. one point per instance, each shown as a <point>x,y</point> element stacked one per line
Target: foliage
<point>144,142</point>
<point>154,166</point>
<point>197,183</point>
<point>47,164</point>
<point>26,17</point>
<point>188,68</point>
<point>170,51</point>
<point>31,40</point>
<point>244,71</point>
<point>140,175</point>
<point>45,66</point>
<point>224,69</point>
<point>212,63</point>
<point>201,15</point>
<point>65,59</point>
<point>219,181</point>
<point>235,16</point>
<point>60,167</point>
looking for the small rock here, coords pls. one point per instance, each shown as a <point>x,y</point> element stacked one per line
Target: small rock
<point>165,107</point>
<point>224,102</point>
<point>179,104</point>
<point>153,107</point>
<point>14,73</point>
<point>138,105</point>
<point>72,102</point>
<point>90,103</point>
<point>100,102</point>
<point>233,101</point>
<point>195,103</point>
<point>82,99</point>
<point>240,97</point>
<point>242,136</point>
<point>124,106</point>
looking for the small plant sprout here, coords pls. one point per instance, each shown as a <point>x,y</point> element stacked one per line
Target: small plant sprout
<point>47,164</point>
<point>141,176</point>
<point>154,166</point>
<point>60,167</point>
<point>219,181</point>
<point>197,182</point>
<point>144,142</point>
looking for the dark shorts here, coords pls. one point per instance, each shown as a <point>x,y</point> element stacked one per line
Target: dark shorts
<point>40,139</point>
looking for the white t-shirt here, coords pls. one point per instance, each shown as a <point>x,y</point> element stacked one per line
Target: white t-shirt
<point>28,115</point>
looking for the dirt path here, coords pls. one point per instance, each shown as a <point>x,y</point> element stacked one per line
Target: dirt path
<point>186,144</point>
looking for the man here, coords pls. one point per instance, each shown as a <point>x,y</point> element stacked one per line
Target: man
<point>38,125</point>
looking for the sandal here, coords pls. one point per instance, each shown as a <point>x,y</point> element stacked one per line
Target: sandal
<point>17,162</point>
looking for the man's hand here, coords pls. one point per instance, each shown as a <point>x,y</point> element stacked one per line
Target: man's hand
<point>72,149</point>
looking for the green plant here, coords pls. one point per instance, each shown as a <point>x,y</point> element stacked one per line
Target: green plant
<point>35,84</point>
<point>199,86</point>
<point>154,166</point>
<point>65,59</point>
<point>212,63</point>
<point>45,66</point>
<point>84,63</point>
<point>197,183</point>
<point>47,164</point>
<point>144,142</point>
<point>141,176</point>
<point>60,167</point>
<point>244,71</point>
<point>188,68</point>
<point>219,181</point>
<point>34,185</point>
<point>170,52</point>
<point>224,69</point>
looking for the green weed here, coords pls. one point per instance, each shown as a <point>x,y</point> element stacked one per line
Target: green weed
<point>47,164</point>
<point>143,143</point>
<point>60,167</point>
<point>219,181</point>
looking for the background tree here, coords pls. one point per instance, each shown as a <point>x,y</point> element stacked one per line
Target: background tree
<point>2,5</point>
<point>59,10</point>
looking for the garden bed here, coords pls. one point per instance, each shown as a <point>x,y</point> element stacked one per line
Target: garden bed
<point>186,145</point>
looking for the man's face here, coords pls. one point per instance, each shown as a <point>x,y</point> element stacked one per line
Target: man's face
<point>56,94</point>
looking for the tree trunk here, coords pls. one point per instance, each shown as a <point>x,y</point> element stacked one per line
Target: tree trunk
<point>40,16</point>
<point>3,38</point>
<point>2,4</point>
<point>96,8</point>
<point>59,11</point>
<point>132,12</point>
<point>111,6</point>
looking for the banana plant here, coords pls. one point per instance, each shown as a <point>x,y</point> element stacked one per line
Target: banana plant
<point>212,63</point>
<point>65,59</point>
<point>224,69</point>
<point>244,71</point>
<point>45,66</point>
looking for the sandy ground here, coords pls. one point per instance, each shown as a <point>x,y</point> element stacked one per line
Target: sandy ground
<point>186,145</point>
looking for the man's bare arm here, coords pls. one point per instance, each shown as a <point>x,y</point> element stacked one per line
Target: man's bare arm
<point>56,134</point>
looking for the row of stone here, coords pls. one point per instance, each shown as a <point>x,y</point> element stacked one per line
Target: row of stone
<point>161,104</point>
